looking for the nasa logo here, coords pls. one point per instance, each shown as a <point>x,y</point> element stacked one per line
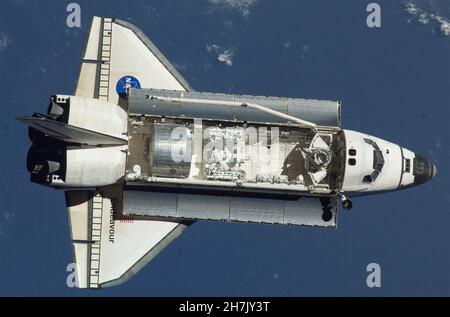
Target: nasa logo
<point>126,82</point>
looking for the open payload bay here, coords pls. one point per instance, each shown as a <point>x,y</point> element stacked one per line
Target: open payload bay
<point>214,143</point>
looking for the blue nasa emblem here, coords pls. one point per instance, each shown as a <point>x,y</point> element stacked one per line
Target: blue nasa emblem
<point>125,83</point>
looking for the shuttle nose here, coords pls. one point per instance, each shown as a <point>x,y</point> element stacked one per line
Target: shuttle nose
<point>424,170</point>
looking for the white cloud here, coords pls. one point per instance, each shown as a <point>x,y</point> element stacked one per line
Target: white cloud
<point>243,7</point>
<point>444,25</point>
<point>4,41</point>
<point>226,58</point>
<point>426,17</point>
<point>305,47</point>
<point>223,55</point>
<point>411,8</point>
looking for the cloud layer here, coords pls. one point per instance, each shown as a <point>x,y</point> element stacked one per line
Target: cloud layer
<point>222,55</point>
<point>426,17</point>
<point>4,41</point>
<point>243,7</point>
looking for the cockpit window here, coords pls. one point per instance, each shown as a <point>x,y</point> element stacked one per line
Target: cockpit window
<point>378,161</point>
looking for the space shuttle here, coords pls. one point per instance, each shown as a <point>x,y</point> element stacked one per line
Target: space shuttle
<point>141,156</point>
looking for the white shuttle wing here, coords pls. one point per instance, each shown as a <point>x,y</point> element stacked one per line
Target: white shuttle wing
<point>109,248</point>
<point>116,49</point>
<point>108,251</point>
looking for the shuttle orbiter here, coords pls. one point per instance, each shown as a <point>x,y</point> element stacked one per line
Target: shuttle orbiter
<point>141,156</point>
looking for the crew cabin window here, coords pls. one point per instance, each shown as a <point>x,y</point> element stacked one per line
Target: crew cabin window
<point>352,152</point>
<point>352,162</point>
<point>378,160</point>
<point>367,179</point>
